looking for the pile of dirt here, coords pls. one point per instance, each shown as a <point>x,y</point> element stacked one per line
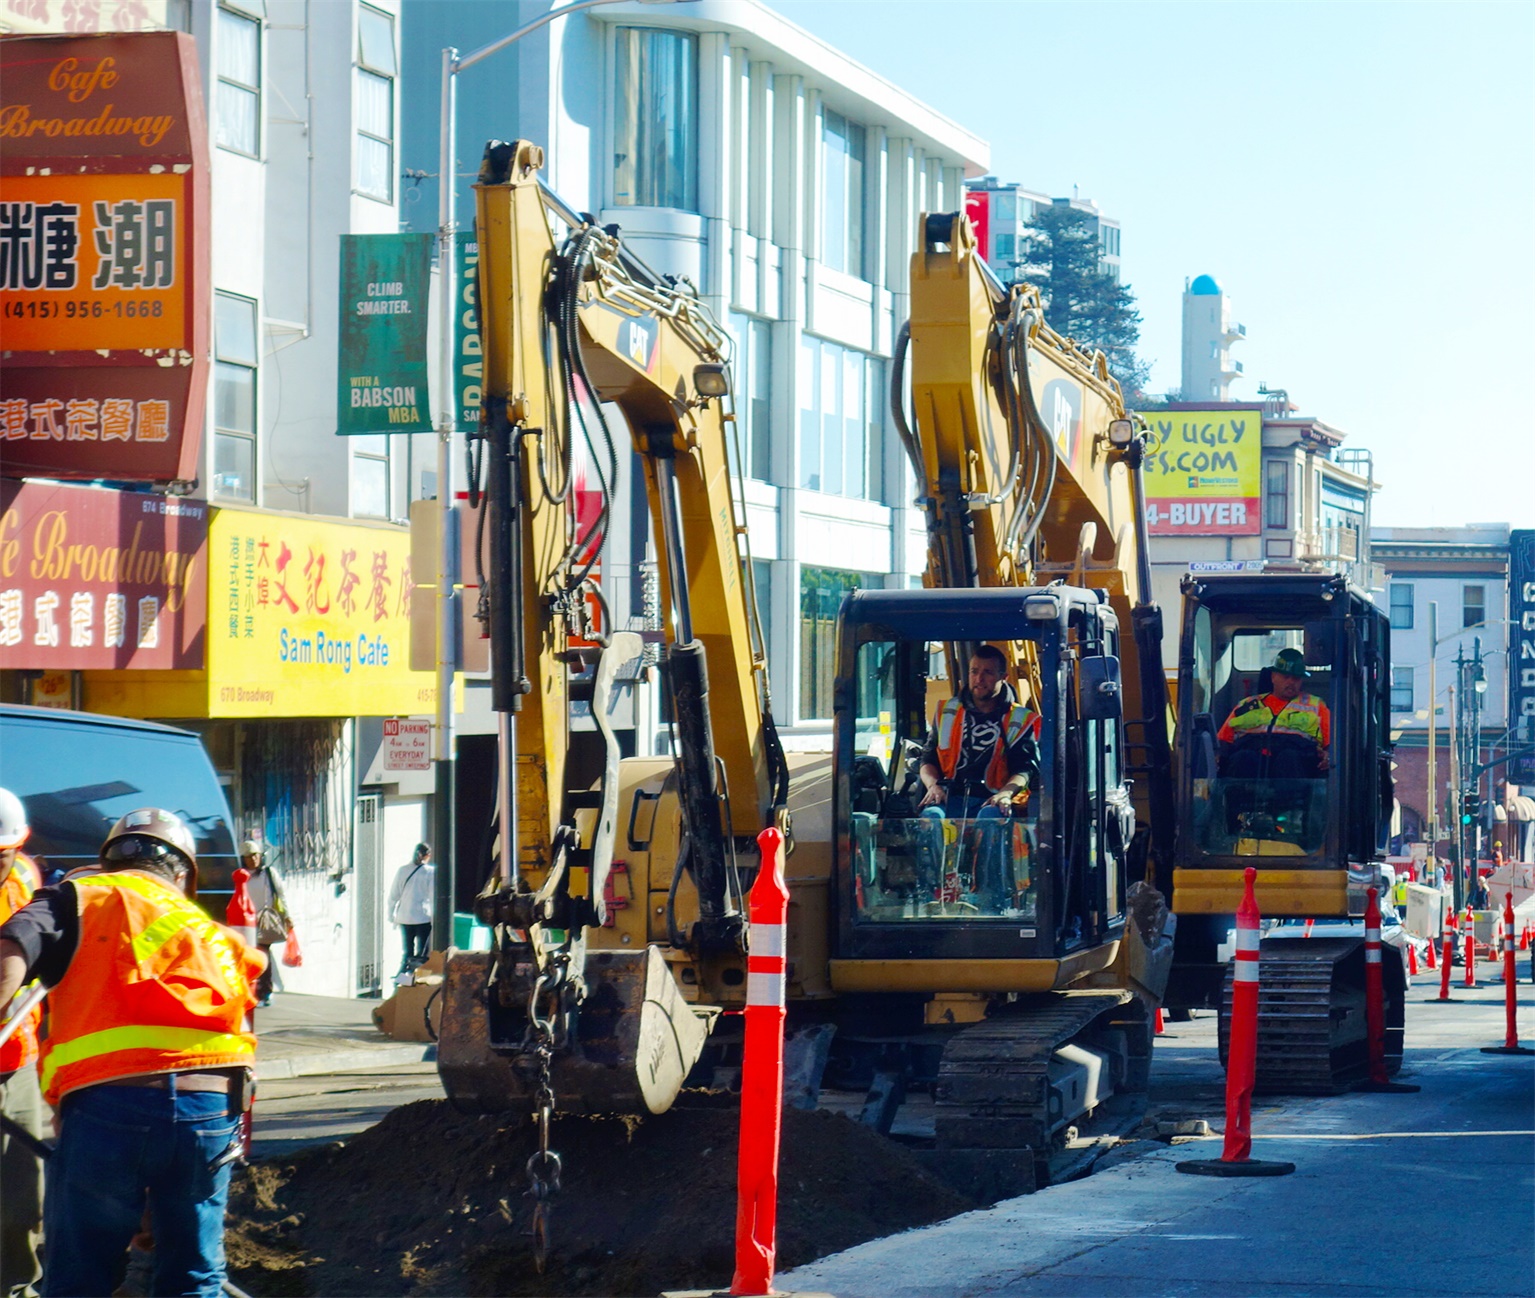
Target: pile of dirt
<point>431,1201</point>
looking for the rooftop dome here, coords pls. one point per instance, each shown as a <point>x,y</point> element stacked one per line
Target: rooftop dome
<point>1204,286</point>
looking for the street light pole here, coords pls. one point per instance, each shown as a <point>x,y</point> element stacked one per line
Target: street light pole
<point>447,401</point>
<point>1433,739</point>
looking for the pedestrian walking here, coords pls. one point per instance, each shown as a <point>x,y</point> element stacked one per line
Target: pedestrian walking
<point>410,905</point>
<point>273,922</point>
<point>147,1060</point>
<point>21,1102</point>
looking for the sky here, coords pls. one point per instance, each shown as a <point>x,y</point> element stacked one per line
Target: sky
<point>1358,177</point>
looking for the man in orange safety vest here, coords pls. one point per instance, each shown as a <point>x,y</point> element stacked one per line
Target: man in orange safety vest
<point>147,1058</point>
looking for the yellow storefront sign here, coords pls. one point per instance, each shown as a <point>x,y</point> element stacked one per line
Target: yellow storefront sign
<point>306,618</point>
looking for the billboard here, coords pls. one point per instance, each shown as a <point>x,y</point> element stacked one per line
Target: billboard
<point>381,378</point>
<point>1203,471</point>
<point>1521,657</point>
<point>104,265</point>
<point>96,579</point>
<point>469,355</point>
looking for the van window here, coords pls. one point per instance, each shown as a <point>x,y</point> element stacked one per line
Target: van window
<point>77,779</point>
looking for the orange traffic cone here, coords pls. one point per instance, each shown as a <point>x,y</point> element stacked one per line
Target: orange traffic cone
<point>1160,1028</point>
<point>1412,958</point>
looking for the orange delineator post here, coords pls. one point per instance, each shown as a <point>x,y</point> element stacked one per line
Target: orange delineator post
<point>762,1075</point>
<point>1469,951</point>
<point>1449,954</point>
<point>1510,1044</point>
<point>1242,1048</point>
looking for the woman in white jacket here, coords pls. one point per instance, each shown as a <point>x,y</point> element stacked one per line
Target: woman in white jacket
<point>410,905</point>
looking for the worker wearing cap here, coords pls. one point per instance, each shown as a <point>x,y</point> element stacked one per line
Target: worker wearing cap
<point>1286,710</point>
<point>146,1058</point>
<point>21,1171</point>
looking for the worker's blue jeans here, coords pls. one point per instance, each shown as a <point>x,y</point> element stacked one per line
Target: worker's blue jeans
<point>990,840</point>
<point>120,1146</point>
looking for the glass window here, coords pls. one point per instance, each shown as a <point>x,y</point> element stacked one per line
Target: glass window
<point>655,152</point>
<point>820,599</point>
<point>1401,605</point>
<point>370,475</point>
<point>1277,493</point>
<point>843,149</point>
<point>238,95</point>
<point>753,378</point>
<point>375,104</point>
<point>1004,248</point>
<point>1401,689</point>
<point>842,419</point>
<point>1473,605</point>
<point>234,397</point>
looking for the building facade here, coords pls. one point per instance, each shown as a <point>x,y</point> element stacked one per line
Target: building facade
<point>1003,212</point>
<point>1209,333</point>
<point>1447,592</point>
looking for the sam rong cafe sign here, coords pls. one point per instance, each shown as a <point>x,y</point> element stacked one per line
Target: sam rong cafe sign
<point>97,579</point>
<point>104,265</point>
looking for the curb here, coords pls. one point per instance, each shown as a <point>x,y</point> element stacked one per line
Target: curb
<point>342,1061</point>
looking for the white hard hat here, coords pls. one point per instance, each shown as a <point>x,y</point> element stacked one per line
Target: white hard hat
<point>13,821</point>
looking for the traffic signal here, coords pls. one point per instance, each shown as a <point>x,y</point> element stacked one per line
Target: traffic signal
<point>1471,808</point>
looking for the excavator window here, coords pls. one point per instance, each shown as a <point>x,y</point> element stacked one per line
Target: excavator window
<point>1259,785</point>
<point>909,865</point>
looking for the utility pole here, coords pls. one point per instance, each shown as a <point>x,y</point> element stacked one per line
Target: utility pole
<point>1456,858</point>
<point>1433,738</point>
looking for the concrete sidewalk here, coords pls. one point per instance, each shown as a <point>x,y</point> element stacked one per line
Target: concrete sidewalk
<point>300,1036</point>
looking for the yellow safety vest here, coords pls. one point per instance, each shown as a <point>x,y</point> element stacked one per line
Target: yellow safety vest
<point>1302,715</point>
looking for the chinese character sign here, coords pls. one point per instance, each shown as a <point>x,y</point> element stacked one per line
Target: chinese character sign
<point>310,619</point>
<point>104,253</point>
<point>1202,470</point>
<point>94,579</point>
<point>382,371</point>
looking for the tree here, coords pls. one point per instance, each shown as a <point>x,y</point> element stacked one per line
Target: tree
<point>1081,301</point>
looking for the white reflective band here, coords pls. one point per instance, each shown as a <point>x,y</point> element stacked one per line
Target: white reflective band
<point>1247,939</point>
<point>765,989</point>
<point>1372,955</point>
<point>766,939</point>
<point>1245,972</point>
<point>1372,935</point>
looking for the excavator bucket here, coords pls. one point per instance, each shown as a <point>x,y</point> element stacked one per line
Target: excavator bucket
<point>636,1039</point>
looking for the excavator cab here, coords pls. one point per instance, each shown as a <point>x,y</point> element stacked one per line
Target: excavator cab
<point>1042,879</point>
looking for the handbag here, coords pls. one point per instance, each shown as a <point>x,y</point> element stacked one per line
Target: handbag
<point>271,928</point>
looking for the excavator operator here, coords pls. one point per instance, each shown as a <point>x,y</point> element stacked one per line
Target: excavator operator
<point>1300,721</point>
<point>983,749</point>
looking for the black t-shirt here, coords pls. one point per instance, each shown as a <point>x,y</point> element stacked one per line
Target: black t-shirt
<point>47,929</point>
<point>978,743</point>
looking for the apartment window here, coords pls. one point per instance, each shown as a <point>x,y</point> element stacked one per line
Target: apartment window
<point>376,70</point>
<point>1473,605</point>
<point>841,420</point>
<point>1006,247</point>
<point>238,95</point>
<point>752,374</point>
<point>370,475</point>
<point>820,599</point>
<point>655,156</point>
<point>843,145</point>
<point>234,397</point>
<point>1401,689</point>
<point>1276,493</point>
<point>1401,605</point>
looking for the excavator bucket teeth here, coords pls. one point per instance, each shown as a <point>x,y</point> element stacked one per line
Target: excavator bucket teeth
<point>636,1039</point>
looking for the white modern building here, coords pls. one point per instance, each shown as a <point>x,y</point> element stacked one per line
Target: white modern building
<point>786,182</point>
<point>1009,210</point>
<point>1209,333</point>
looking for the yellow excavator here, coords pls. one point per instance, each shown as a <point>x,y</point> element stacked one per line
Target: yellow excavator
<point>1011,974</point>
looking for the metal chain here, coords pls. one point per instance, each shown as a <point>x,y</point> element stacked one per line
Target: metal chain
<point>544,1163</point>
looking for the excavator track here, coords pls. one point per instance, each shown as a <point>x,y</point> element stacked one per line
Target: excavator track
<point>1311,1015</point>
<point>1009,1088</point>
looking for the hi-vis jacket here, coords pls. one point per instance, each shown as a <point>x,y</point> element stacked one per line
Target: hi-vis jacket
<point>155,986</point>
<point>1303,715</point>
<point>15,893</point>
<point>950,727</point>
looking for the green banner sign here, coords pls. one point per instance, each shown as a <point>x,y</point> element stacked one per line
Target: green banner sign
<point>469,360</point>
<point>381,375</point>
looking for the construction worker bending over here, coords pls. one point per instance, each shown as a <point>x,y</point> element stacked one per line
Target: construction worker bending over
<point>982,752</point>
<point>147,1059</point>
<point>21,1171</point>
<point>1286,712</point>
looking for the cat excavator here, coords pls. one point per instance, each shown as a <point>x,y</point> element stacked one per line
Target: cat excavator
<point>1015,980</point>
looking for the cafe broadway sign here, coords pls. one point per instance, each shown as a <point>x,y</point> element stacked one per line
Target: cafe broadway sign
<point>104,279</point>
<point>101,579</point>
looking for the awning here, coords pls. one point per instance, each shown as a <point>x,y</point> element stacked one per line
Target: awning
<point>1521,807</point>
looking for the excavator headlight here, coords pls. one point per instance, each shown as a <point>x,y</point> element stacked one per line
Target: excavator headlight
<point>711,380</point>
<point>1041,608</point>
<point>1121,432</point>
